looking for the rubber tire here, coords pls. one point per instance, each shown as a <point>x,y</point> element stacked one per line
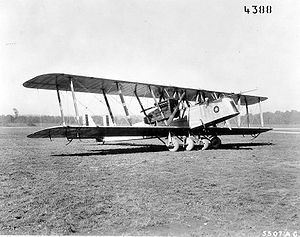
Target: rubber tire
<point>215,142</point>
<point>206,144</point>
<point>190,144</point>
<point>175,145</point>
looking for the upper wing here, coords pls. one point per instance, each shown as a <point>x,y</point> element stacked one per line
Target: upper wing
<point>97,85</point>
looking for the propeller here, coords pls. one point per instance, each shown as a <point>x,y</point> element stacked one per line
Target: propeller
<point>243,92</point>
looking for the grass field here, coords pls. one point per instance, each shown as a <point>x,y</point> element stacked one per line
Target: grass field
<point>246,188</point>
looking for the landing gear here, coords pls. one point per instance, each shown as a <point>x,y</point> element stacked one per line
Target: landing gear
<point>206,143</point>
<point>215,142</point>
<point>189,143</point>
<point>173,144</point>
<point>100,139</point>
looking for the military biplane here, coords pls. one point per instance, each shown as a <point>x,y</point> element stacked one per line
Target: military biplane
<point>179,117</point>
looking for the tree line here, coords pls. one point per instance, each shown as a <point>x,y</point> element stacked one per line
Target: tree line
<point>278,117</point>
<point>35,120</point>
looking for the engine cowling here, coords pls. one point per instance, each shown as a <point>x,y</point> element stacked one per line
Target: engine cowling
<point>210,113</point>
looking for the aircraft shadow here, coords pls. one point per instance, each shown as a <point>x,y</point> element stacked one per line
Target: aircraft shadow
<point>139,148</point>
<point>129,150</point>
<point>123,144</point>
<point>243,146</point>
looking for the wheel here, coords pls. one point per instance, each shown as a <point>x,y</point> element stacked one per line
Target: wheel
<point>190,144</point>
<point>100,139</point>
<point>215,142</point>
<point>206,143</point>
<point>174,145</point>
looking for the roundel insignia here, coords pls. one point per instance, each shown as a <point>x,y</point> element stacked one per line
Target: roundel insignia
<point>216,109</point>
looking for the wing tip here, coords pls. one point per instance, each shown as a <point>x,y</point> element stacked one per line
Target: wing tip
<point>28,83</point>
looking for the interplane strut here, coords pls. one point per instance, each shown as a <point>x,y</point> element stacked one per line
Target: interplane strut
<point>60,105</point>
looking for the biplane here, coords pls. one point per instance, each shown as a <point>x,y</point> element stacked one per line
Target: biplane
<point>179,117</point>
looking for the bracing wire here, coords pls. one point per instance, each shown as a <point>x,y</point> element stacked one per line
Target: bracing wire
<point>69,114</point>
<point>254,117</point>
<point>85,106</point>
<point>92,93</point>
<point>118,102</point>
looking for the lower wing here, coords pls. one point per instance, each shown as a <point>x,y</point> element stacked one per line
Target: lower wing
<point>218,131</point>
<point>77,132</point>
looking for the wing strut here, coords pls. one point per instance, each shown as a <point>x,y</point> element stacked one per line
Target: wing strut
<point>202,97</point>
<point>167,92</point>
<point>247,112</point>
<point>157,105</point>
<point>60,105</point>
<point>239,109</point>
<point>108,107</point>
<point>261,114</point>
<point>123,103</point>
<point>142,107</point>
<point>74,101</point>
<point>176,109</point>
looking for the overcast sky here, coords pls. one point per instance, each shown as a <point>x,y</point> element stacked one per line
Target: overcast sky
<point>211,44</point>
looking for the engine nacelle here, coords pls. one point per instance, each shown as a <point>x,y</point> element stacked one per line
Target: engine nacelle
<point>210,113</point>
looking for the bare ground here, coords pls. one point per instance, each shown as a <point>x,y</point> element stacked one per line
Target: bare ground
<point>138,188</point>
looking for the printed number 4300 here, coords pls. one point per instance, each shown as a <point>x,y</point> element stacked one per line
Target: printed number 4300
<point>258,9</point>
